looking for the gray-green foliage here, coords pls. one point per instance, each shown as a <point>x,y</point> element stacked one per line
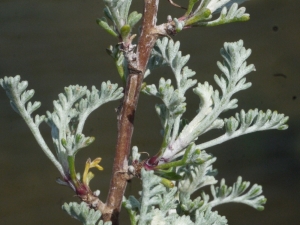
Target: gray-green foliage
<point>179,143</point>
<point>180,156</point>
<point>117,11</point>
<point>161,205</point>
<point>212,103</point>
<point>19,96</point>
<point>84,214</point>
<point>234,14</point>
<point>237,193</point>
<point>66,121</point>
<point>166,52</point>
<point>203,14</point>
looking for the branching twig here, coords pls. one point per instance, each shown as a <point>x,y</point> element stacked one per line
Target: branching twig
<point>126,116</point>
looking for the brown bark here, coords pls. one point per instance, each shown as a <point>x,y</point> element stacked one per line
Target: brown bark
<point>126,116</point>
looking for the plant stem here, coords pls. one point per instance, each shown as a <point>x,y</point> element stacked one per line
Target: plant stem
<point>71,161</point>
<point>126,115</point>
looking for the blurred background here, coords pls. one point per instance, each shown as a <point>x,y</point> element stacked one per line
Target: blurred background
<point>55,43</point>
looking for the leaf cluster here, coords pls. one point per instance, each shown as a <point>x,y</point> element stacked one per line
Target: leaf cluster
<point>84,214</point>
<point>161,205</point>
<point>66,121</point>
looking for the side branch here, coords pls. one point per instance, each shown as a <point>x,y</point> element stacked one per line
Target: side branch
<point>126,116</point>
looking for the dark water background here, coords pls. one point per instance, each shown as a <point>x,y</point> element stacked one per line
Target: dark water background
<point>56,43</point>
